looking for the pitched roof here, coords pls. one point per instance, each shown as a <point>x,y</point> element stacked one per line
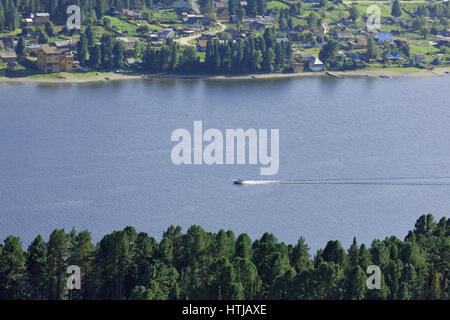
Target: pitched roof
<point>202,42</point>
<point>383,36</point>
<point>317,61</point>
<point>50,50</point>
<point>63,43</point>
<point>217,4</point>
<point>344,34</point>
<point>360,41</point>
<point>7,54</point>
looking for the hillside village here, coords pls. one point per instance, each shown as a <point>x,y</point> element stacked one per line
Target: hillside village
<point>229,37</point>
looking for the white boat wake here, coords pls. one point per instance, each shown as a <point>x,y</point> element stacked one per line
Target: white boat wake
<point>392,181</point>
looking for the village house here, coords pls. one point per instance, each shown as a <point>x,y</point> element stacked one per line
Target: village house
<point>266,20</point>
<point>130,43</point>
<point>296,66</point>
<point>188,32</point>
<point>419,58</point>
<point>315,65</point>
<point>165,33</point>
<point>205,36</point>
<point>51,59</point>
<point>344,35</point>
<point>383,37</point>
<point>358,43</point>
<point>132,14</point>
<point>356,59</point>
<point>297,63</point>
<point>193,18</point>
<point>28,22</point>
<point>323,29</point>
<point>41,18</point>
<point>257,26</point>
<point>218,5</point>
<point>303,56</point>
<point>393,58</point>
<point>9,57</point>
<point>151,36</point>
<point>66,45</point>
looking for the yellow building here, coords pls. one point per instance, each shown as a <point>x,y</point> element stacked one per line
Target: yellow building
<point>51,59</point>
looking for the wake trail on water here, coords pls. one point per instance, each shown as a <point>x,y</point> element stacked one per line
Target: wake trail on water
<point>386,181</point>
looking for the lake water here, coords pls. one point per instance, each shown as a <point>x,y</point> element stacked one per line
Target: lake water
<point>97,157</point>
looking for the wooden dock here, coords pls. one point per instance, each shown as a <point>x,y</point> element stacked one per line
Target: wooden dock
<point>333,75</point>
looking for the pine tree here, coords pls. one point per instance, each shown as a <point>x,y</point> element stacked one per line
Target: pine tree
<point>82,49</point>
<point>95,56</point>
<point>12,269</point>
<point>371,48</point>
<point>49,28</point>
<point>300,256</point>
<point>2,17</point>
<point>43,37</point>
<point>20,47</point>
<point>89,36</point>
<point>82,255</point>
<point>355,283</point>
<point>57,253</point>
<point>244,246</point>
<point>112,264</point>
<point>36,268</point>
<point>396,10</point>
<point>353,254</point>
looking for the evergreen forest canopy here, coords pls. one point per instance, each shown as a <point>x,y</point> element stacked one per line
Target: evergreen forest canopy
<point>202,265</point>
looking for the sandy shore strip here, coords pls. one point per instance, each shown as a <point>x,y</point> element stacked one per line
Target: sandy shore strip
<point>67,78</point>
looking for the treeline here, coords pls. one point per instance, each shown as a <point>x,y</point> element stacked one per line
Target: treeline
<point>254,54</point>
<point>203,265</point>
<point>9,15</point>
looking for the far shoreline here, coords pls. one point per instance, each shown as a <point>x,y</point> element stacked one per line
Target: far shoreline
<point>105,77</point>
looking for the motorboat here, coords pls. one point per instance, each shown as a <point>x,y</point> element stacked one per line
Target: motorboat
<point>238,181</point>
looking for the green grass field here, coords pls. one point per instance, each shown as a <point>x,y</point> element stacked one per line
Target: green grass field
<point>122,25</point>
<point>276,4</point>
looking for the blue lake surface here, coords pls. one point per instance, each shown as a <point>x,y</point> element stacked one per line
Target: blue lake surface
<point>97,157</point>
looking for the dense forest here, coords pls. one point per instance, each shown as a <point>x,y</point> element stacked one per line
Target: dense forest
<point>253,54</point>
<point>203,265</point>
